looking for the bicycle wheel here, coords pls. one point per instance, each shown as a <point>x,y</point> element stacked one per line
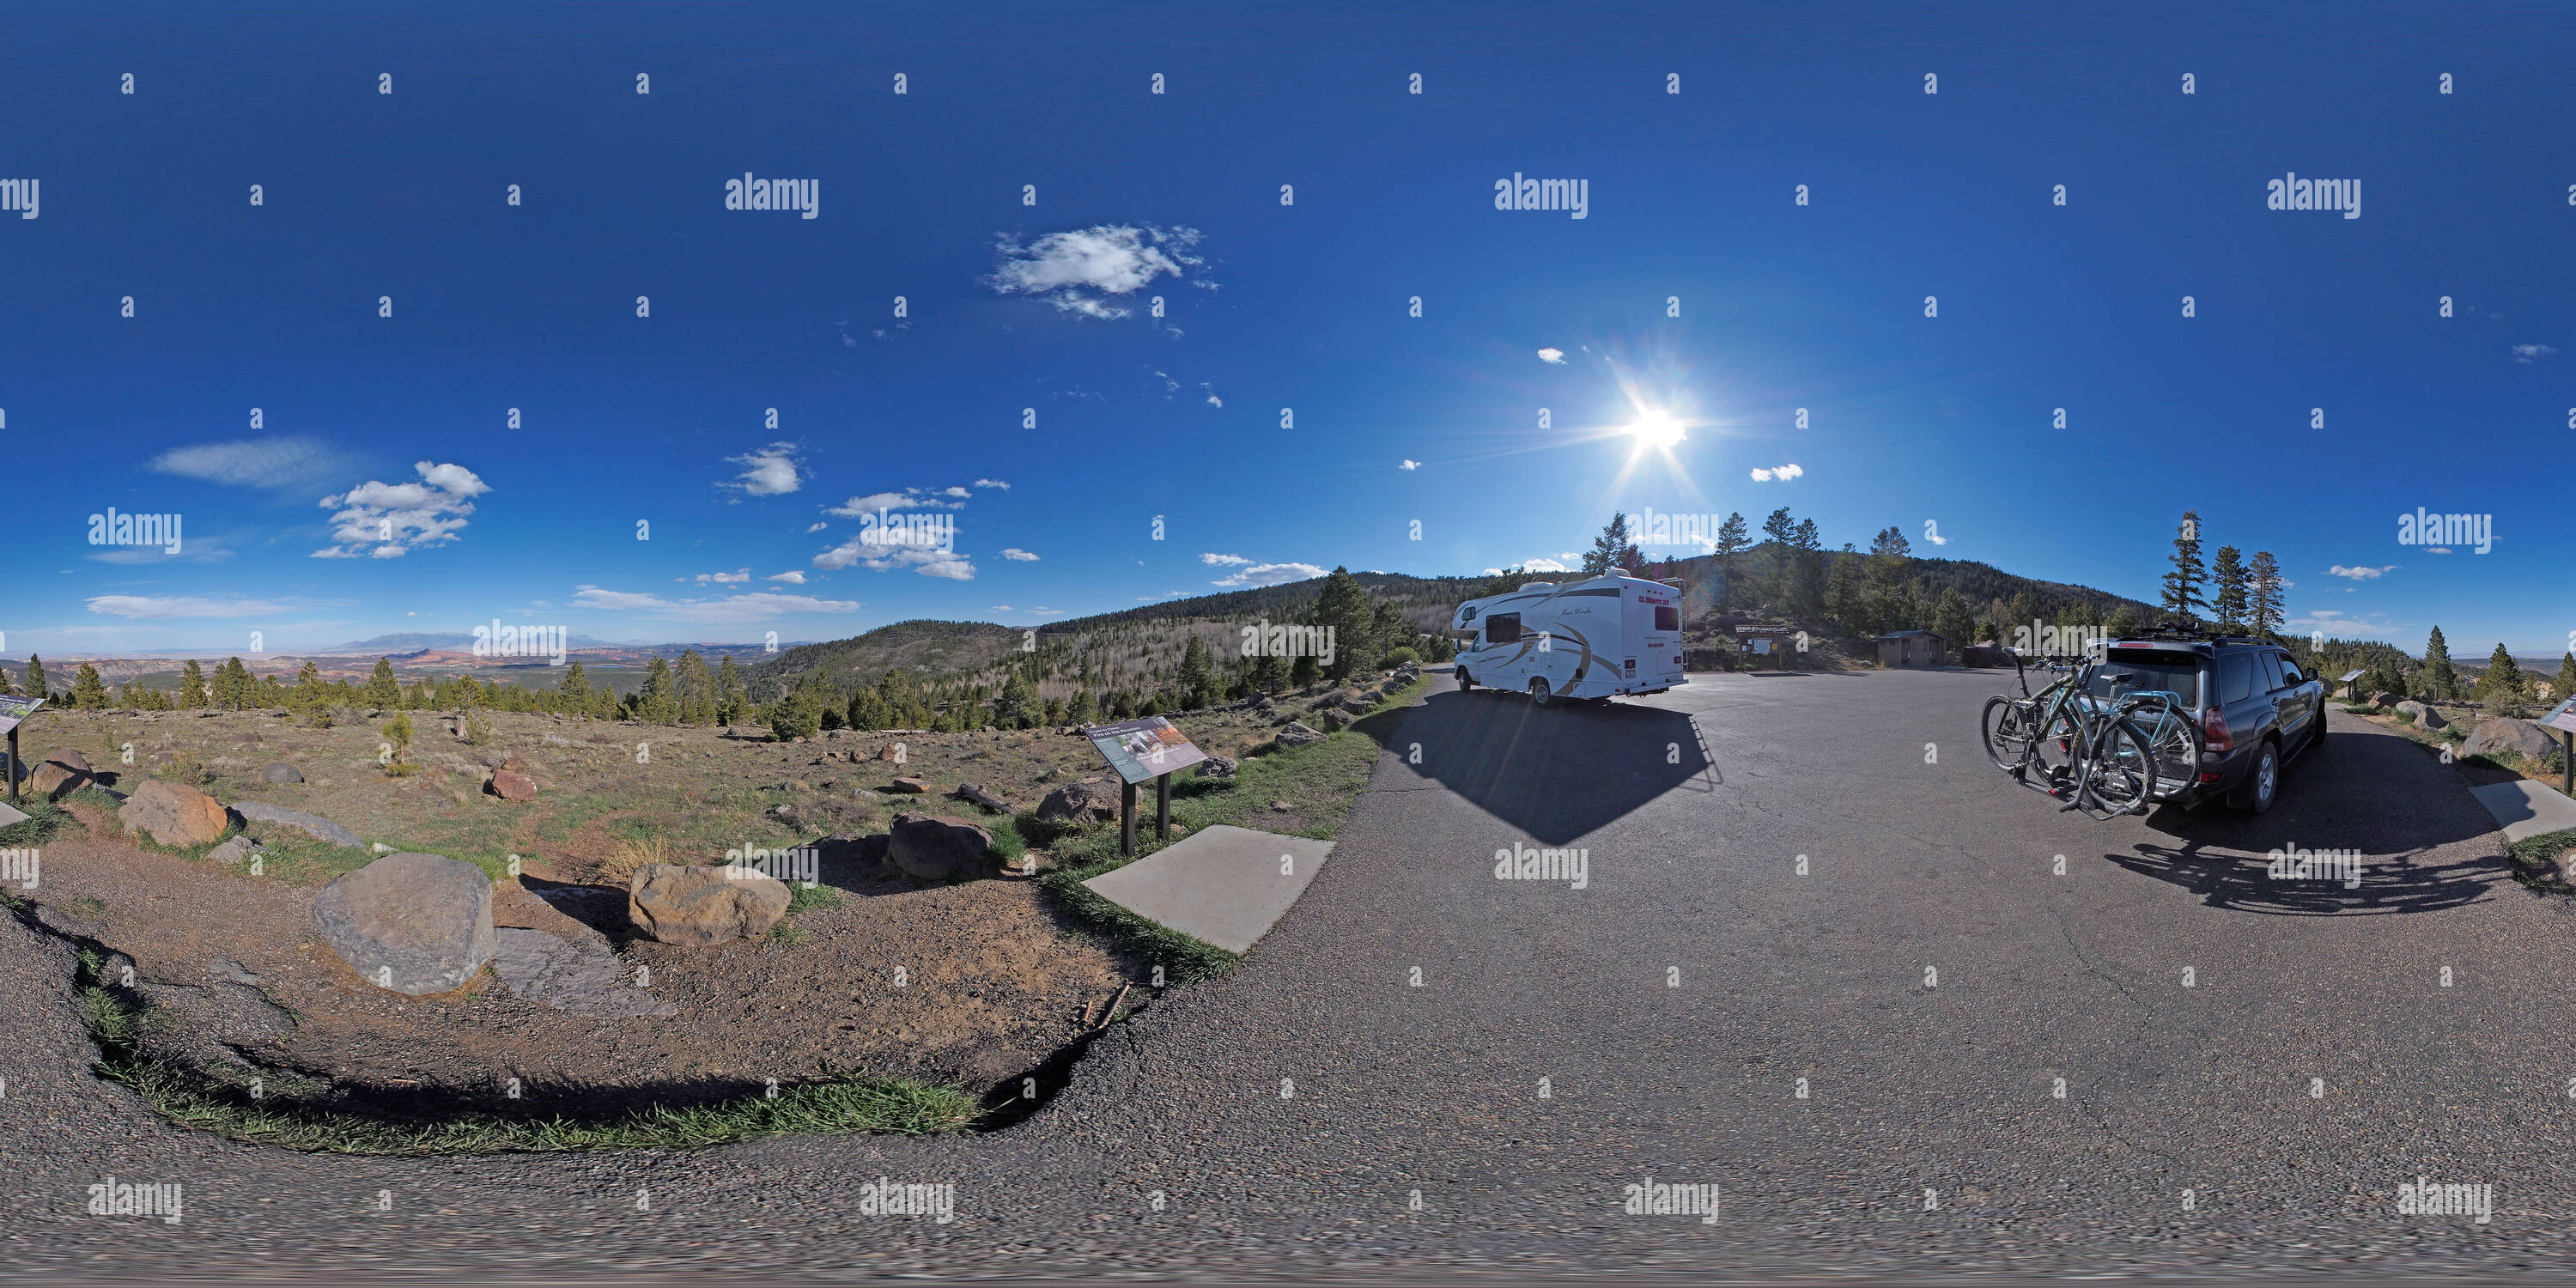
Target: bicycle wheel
<point>2061,747</point>
<point>2004,728</point>
<point>2173,752</point>
<point>2120,773</point>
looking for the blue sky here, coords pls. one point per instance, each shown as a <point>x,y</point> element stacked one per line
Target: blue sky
<point>1012,306</point>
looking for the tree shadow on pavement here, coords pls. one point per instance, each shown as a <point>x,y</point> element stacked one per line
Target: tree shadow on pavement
<point>1560,771</point>
<point>2405,813</point>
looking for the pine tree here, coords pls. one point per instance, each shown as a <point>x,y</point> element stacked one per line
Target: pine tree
<point>1843,600</point>
<point>192,686</point>
<point>2182,582</point>
<point>657,702</point>
<point>384,692</point>
<point>575,687</point>
<point>1197,676</point>
<point>2263,601</point>
<point>308,686</point>
<point>2230,602</point>
<point>1732,541</point>
<point>2439,682</point>
<point>35,681</point>
<point>1612,551</point>
<point>1342,606</point>
<point>2565,687</point>
<point>88,694</point>
<point>1950,618</point>
<point>696,690</point>
<point>2503,686</point>
<point>731,698</point>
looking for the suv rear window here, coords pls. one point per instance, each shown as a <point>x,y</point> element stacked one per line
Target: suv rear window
<point>2175,672</point>
<point>2235,678</point>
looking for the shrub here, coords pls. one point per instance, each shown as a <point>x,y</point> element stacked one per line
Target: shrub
<point>1396,657</point>
<point>798,715</point>
<point>630,855</point>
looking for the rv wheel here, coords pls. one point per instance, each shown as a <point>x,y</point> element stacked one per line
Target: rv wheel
<point>1538,692</point>
<point>1465,682</point>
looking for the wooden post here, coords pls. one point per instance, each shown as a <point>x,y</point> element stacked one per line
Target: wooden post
<point>1163,807</point>
<point>1126,817</point>
<point>13,765</point>
<point>2567,758</point>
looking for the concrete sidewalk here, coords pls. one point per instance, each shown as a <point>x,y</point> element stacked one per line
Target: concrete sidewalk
<point>1227,885</point>
<point>2525,809</point>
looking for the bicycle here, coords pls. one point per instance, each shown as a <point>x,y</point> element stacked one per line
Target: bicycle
<point>2132,762</point>
<point>2021,734</point>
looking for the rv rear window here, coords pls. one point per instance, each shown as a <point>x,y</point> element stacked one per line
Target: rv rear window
<point>1503,628</point>
<point>1667,618</point>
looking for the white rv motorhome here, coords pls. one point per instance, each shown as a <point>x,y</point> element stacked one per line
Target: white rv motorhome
<point>1589,639</point>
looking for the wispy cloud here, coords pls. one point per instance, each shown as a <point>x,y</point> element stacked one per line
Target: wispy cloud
<point>855,553</point>
<point>1228,561</point>
<point>2531,352</point>
<point>388,520</point>
<point>759,606</point>
<point>911,498</point>
<point>993,483</point>
<point>792,578</point>
<point>160,607</point>
<point>1271,574</point>
<point>1409,465</point>
<point>1017,555</point>
<point>770,471</point>
<point>2363,573</point>
<point>285,463</point>
<point>1080,271</point>
<point>724,578</point>
<point>1782,474</point>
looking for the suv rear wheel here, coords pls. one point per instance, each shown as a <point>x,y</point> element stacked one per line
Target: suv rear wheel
<point>2264,783</point>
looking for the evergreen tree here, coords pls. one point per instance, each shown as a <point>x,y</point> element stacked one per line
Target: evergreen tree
<point>731,698</point>
<point>658,702</point>
<point>1950,618</point>
<point>1843,601</point>
<point>2439,681</point>
<point>1612,551</point>
<point>2183,580</point>
<point>192,686</point>
<point>308,686</point>
<point>695,688</point>
<point>1197,676</point>
<point>1732,541</point>
<point>88,694</point>
<point>1083,708</point>
<point>1343,607</point>
<point>35,681</point>
<point>2263,599</point>
<point>2565,686</point>
<point>384,692</point>
<point>2230,603</point>
<point>2502,687</point>
<point>574,688</point>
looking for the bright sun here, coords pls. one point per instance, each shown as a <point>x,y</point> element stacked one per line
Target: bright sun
<point>1656,429</point>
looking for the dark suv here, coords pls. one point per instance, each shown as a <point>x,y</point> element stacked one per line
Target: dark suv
<point>2253,706</point>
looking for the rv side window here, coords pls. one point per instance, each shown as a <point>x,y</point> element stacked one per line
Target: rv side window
<point>1503,628</point>
<point>1667,618</point>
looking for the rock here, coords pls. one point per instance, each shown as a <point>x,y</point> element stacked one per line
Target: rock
<point>2425,717</point>
<point>234,851</point>
<point>229,970</point>
<point>1217,767</point>
<point>1280,807</point>
<point>888,753</point>
<point>799,785</point>
<point>2383,700</point>
<point>583,978</point>
<point>1338,719</point>
<point>698,906</point>
<point>1090,800</point>
<point>416,924</point>
<point>1296,734</point>
<point>281,772</point>
<point>64,923</point>
<point>320,829</point>
<point>382,848</point>
<point>852,851</point>
<point>227,1013</point>
<point>63,773</point>
<point>915,785</point>
<point>1358,702</point>
<point>173,814</point>
<point>977,796</point>
<point>511,785</point>
<point>2496,736</point>
<point>937,848</point>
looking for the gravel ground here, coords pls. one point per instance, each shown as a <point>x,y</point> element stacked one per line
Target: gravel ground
<point>1671,1004</point>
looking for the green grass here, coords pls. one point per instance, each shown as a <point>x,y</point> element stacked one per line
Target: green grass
<point>2535,857</point>
<point>873,1105</point>
<point>44,818</point>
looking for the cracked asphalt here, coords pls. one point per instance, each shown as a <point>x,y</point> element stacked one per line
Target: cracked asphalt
<point>1864,1053</point>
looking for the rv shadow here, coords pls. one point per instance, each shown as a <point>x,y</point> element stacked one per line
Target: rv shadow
<point>2365,790</point>
<point>1560,771</point>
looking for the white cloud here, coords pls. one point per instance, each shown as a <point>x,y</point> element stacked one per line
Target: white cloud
<point>1049,612</point>
<point>816,527</point>
<point>1230,561</point>
<point>724,578</point>
<point>999,608</point>
<point>1410,465</point>
<point>993,483</point>
<point>911,498</point>
<point>388,520</point>
<point>791,578</point>
<point>1783,474</point>
<point>1556,356</point>
<point>1934,536</point>
<point>760,606</point>
<point>1076,271</point>
<point>954,492</point>
<point>157,607</point>
<point>1276,574</point>
<point>770,471</point>
<point>1017,555</point>
<point>2363,573</point>
<point>252,462</point>
<point>924,560</point>
<point>1546,565</point>
<point>2528,352</point>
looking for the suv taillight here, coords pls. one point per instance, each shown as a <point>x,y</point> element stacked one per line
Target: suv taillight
<point>2214,733</point>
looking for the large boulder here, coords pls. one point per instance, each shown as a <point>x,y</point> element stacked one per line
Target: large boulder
<point>916,786</point>
<point>320,829</point>
<point>580,976</point>
<point>937,848</point>
<point>2496,736</point>
<point>412,923</point>
<point>1296,734</point>
<point>511,785</point>
<point>173,813</point>
<point>698,906</point>
<point>281,772</point>
<point>1091,800</point>
<point>1217,767</point>
<point>63,773</point>
<point>2423,715</point>
<point>2383,700</point>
